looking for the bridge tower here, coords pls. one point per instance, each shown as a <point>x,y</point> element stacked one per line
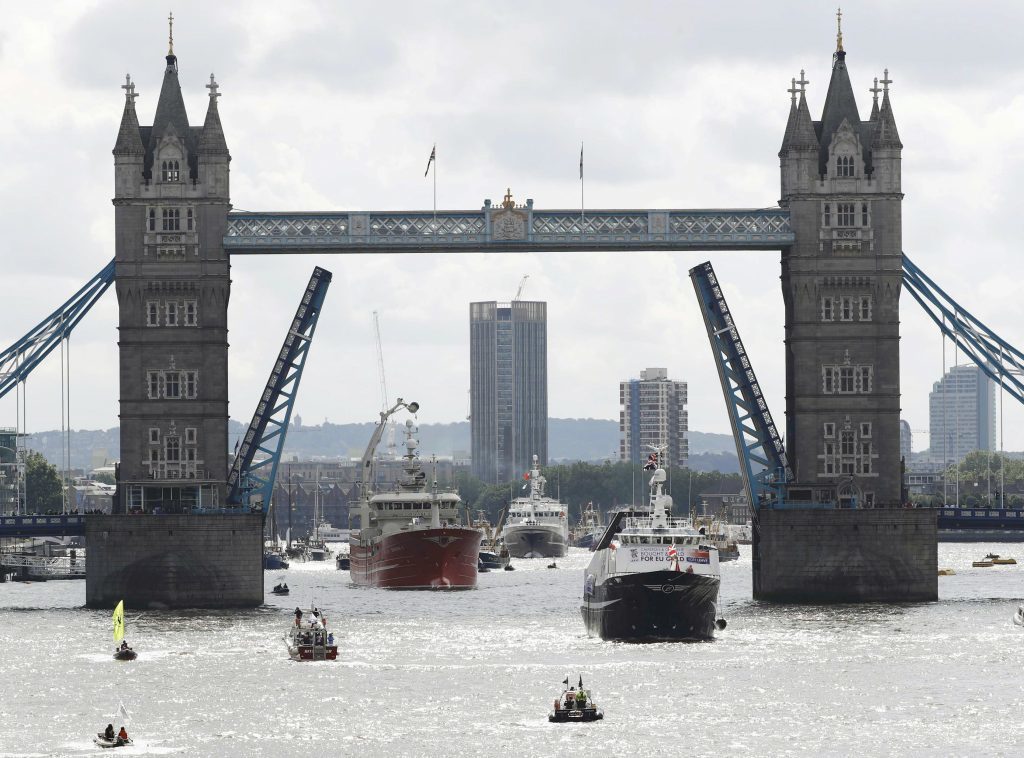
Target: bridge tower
<point>171,203</point>
<point>841,285</point>
<point>172,276</point>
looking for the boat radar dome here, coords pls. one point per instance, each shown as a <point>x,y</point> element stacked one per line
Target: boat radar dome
<point>413,407</point>
<point>659,475</point>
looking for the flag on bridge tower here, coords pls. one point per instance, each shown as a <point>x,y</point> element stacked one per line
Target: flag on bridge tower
<point>431,159</point>
<point>581,161</point>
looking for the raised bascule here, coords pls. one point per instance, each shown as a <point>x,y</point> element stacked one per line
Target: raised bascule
<point>827,503</point>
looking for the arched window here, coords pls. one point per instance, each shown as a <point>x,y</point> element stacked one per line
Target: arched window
<point>190,221</point>
<point>152,219</point>
<point>863,214</point>
<point>827,215</point>
<point>169,171</point>
<point>844,165</point>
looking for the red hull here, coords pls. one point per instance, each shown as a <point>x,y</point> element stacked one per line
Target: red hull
<point>418,559</point>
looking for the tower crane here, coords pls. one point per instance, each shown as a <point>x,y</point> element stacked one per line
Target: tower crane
<point>519,292</point>
<point>383,384</point>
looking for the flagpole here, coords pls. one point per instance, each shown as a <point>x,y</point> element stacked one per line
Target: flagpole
<point>435,183</point>
<point>582,206</point>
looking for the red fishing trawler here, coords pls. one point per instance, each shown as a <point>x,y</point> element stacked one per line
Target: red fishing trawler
<point>409,538</point>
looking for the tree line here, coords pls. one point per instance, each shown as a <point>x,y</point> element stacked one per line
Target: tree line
<point>606,485</point>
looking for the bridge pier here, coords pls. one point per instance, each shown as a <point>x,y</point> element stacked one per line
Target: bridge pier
<point>846,556</point>
<point>175,561</point>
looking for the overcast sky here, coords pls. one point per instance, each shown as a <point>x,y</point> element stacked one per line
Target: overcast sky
<point>334,106</point>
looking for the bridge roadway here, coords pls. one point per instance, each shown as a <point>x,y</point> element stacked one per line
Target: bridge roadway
<point>507,228</point>
<point>35,525</point>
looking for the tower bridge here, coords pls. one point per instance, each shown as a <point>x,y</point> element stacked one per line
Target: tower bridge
<point>838,227</point>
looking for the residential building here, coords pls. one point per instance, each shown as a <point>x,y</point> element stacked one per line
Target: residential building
<point>652,413</point>
<point>962,414</point>
<point>508,387</point>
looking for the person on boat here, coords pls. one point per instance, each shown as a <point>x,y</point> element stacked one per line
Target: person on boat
<point>123,734</point>
<point>581,699</point>
<point>124,645</point>
<point>298,617</point>
<point>330,638</point>
<point>108,733</point>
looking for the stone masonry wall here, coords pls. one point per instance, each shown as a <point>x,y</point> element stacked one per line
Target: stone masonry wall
<point>211,561</point>
<point>829,556</point>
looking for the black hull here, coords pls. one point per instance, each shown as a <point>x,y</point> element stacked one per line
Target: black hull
<point>653,606</point>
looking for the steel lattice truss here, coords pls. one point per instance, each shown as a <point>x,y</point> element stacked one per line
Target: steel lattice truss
<point>995,356</point>
<point>251,481</point>
<point>508,228</point>
<point>757,438</point>
<point>18,361</point>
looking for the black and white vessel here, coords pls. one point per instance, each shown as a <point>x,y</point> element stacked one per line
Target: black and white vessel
<point>537,525</point>
<point>652,577</point>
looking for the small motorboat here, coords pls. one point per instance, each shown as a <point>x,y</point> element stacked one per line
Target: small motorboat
<point>489,559</point>
<point>510,567</point>
<point>310,641</point>
<point>1018,617</point>
<point>102,741</point>
<point>552,565</point>
<point>280,589</point>
<point>125,654</point>
<point>342,562</point>
<point>575,704</point>
<point>947,572</point>
<point>1000,561</point>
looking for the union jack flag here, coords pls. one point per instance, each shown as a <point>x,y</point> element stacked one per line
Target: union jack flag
<point>652,462</point>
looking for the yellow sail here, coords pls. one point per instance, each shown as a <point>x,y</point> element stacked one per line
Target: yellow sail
<point>119,622</point>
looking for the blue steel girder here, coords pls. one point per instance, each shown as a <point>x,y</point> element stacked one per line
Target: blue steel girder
<point>507,228</point>
<point>19,360</point>
<point>757,438</point>
<point>1001,361</point>
<point>251,480</point>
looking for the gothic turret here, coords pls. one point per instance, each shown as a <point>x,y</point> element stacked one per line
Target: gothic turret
<point>128,150</point>
<point>800,147</point>
<point>886,148</point>
<point>213,148</point>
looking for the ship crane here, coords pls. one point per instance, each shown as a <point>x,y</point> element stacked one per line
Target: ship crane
<point>383,385</point>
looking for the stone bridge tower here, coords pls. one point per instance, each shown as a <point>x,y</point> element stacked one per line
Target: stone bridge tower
<point>171,204</point>
<point>841,284</point>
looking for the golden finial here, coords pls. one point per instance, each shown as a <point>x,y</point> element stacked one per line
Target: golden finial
<point>839,30</point>
<point>170,33</point>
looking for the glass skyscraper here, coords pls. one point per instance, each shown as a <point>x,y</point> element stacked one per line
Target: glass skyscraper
<point>508,387</point>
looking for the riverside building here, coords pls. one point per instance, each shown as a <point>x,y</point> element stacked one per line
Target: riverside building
<point>508,387</point>
<point>652,412</point>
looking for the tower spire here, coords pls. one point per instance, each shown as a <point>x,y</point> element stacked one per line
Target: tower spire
<point>170,33</point>
<point>839,30</point>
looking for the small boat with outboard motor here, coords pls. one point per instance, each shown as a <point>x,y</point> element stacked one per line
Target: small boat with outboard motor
<point>281,588</point>
<point>108,738</point>
<point>575,704</point>
<point>309,640</point>
<point>342,561</point>
<point>122,652</point>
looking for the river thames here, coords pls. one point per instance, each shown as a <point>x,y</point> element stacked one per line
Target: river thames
<point>474,673</point>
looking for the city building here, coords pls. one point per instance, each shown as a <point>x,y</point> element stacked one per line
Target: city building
<point>906,441</point>
<point>652,413</point>
<point>962,414</point>
<point>841,281</point>
<point>171,202</point>
<point>508,387</point>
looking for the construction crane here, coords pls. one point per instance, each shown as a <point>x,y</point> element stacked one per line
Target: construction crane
<point>383,385</point>
<point>519,292</point>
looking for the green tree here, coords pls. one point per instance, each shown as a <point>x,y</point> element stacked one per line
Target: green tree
<point>43,488</point>
<point>104,478</point>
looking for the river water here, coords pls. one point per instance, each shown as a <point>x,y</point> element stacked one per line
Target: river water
<point>474,673</point>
